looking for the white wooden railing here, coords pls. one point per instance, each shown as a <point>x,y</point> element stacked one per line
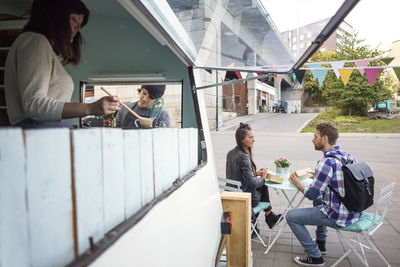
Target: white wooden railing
<point>108,173</point>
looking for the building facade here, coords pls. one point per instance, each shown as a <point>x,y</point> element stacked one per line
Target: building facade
<point>300,39</point>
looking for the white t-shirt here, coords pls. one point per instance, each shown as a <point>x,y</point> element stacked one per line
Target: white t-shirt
<point>36,83</point>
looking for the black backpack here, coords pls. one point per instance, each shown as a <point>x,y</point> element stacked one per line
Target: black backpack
<point>358,186</point>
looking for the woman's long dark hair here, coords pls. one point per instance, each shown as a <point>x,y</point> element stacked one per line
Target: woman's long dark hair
<point>240,135</point>
<point>51,18</point>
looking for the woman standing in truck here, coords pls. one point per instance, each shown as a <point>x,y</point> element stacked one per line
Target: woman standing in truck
<point>38,89</point>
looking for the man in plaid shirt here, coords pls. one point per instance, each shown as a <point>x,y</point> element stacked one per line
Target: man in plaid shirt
<point>327,210</point>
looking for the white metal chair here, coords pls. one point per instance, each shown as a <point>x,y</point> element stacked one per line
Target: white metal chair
<point>235,186</point>
<point>366,227</point>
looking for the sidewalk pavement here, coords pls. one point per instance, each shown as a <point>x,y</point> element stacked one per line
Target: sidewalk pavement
<point>243,118</point>
<point>387,237</point>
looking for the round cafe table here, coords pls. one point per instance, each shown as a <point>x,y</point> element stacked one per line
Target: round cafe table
<point>286,201</point>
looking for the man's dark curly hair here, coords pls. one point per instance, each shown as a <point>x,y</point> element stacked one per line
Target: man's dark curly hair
<point>328,129</point>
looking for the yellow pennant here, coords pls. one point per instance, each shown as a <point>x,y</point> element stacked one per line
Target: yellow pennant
<point>345,75</point>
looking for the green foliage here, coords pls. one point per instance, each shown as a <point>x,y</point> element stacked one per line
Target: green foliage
<point>354,124</point>
<point>357,95</point>
<point>282,163</point>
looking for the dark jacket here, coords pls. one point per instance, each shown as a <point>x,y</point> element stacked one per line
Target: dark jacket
<point>238,167</point>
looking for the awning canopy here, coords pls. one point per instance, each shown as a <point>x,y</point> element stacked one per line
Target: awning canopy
<point>242,35</point>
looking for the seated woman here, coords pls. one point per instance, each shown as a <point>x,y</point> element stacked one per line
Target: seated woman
<point>241,167</point>
<point>149,96</point>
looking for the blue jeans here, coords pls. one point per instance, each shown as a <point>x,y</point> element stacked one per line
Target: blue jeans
<point>297,219</point>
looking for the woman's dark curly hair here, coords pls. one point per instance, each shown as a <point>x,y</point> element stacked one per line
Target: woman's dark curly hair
<point>52,19</point>
<point>240,134</point>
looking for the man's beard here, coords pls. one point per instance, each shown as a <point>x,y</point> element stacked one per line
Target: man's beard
<point>318,146</point>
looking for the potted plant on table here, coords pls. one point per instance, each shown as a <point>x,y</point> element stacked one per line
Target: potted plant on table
<point>282,166</point>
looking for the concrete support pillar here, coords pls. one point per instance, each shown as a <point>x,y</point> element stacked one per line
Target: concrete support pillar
<point>252,97</point>
<point>278,95</point>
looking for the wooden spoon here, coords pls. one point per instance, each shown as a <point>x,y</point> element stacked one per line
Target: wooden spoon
<point>144,122</point>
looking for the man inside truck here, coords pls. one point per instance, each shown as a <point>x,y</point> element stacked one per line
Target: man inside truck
<point>149,105</point>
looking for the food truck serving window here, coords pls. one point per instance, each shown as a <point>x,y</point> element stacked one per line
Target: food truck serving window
<point>165,109</point>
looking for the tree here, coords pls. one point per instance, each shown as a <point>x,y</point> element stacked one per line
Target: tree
<point>357,95</point>
<point>354,98</point>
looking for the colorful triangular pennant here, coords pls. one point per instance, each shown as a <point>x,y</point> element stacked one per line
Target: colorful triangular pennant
<point>243,74</point>
<point>319,74</point>
<point>397,72</point>
<point>371,75</point>
<point>222,74</point>
<point>279,77</point>
<point>300,75</point>
<point>387,60</point>
<point>337,65</point>
<point>361,64</point>
<point>345,75</point>
<point>259,74</point>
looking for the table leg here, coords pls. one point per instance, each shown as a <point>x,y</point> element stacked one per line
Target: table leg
<point>286,210</point>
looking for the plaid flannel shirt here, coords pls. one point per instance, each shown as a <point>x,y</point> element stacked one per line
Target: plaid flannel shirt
<point>329,171</point>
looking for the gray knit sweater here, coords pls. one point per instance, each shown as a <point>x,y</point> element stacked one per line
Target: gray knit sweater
<point>36,83</point>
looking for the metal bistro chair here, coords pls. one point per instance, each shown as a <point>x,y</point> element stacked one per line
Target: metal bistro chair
<point>235,186</point>
<point>366,227</point>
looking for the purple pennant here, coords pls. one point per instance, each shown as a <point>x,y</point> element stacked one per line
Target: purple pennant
<point>279,78</point>
<point>371,75</point>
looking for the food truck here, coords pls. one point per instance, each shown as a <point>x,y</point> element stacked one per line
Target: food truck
<point>98,196</point>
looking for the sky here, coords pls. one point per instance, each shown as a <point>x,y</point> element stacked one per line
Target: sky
<point>378,22</point>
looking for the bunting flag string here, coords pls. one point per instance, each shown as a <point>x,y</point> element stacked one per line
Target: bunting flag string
<point>353,68</point>
<point>389,59</point>
<point>320,72</point>
<point>345,74</point>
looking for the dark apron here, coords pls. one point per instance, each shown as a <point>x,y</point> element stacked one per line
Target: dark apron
<point>32,124</point>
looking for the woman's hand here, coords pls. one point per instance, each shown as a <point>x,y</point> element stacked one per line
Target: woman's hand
<point>105,105</point>
<point>262,172</point>
<point>312,173</point>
